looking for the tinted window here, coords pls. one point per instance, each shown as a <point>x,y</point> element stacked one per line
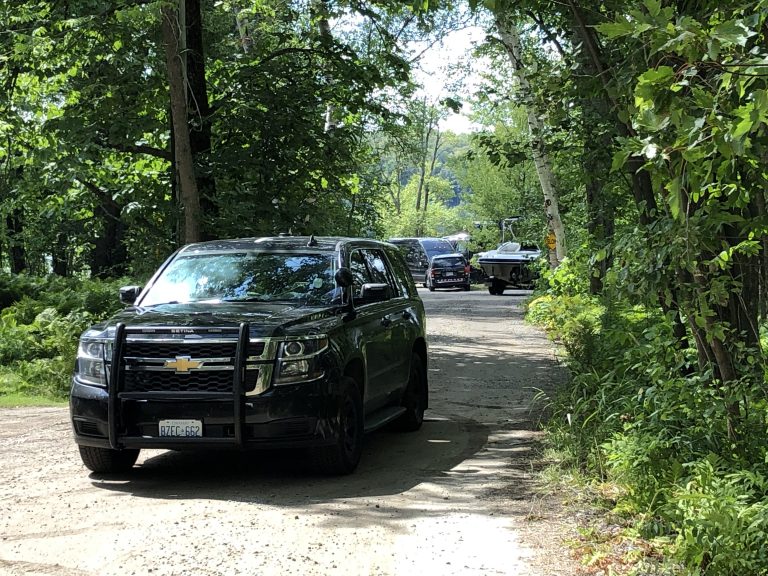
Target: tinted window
<point>413,252</point>
<point>368,266</point>
<point>452,262</point>
<point>402,274</point>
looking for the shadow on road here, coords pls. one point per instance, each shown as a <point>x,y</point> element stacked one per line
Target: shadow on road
<point>392,463</point>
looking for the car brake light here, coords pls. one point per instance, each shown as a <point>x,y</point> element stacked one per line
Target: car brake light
<point>466,269</point>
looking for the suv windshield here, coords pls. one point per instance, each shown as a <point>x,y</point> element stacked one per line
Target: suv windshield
<point>245,277</point>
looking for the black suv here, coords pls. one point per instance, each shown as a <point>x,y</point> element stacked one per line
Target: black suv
<point>295,342</point>
<point>419,252</point>
<point>448,271</point>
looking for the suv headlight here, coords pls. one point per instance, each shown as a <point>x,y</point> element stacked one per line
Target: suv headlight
<point>93,354</point>
<point>298,359</point>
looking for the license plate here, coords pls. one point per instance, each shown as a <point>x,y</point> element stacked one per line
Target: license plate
<point>449,273</point>
<point>180,428</point>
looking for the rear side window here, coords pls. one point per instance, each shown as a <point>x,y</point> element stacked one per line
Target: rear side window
<point>402,275</point>
<point>448,262</point>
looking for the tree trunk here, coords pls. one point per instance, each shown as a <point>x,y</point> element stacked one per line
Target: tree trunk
<point>14,224</point>
<point>511,40</point>
<point>199,115</point>
<point>423,160</point>
<point>60,256</point>
<point>435,150</point>
<point>319,10</point>
<point>185,170</point>
<point>109,258</point>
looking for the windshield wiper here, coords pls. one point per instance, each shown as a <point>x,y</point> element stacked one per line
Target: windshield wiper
<point>245,299</point>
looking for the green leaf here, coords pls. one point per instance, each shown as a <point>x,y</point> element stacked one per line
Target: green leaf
<point>653,6</point>
<point>732,32</point>
<point>616,29</point>
<point>656,75</point>
<point>619,159</point>
<point>674,198</point>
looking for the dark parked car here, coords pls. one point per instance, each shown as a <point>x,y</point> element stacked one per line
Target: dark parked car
<point>289,342</point>
<point>419,251</point>
<point>448,271</point>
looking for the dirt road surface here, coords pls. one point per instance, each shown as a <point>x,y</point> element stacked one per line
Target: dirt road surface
<point>455,498</point>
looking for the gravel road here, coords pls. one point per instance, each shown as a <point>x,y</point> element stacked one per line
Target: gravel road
<point>455,498</point>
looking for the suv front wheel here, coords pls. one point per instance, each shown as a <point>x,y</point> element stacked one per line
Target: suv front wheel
<point>106,460</point>
<point>343,456</point>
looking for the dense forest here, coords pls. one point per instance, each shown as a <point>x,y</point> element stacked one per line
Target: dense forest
<point>634,133</point>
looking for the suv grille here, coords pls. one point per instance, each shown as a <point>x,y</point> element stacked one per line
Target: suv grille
<point>203,381</point>
<point>189,348</point>
<point>144,366</point>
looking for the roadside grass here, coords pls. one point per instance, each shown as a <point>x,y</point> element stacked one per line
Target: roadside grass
<point>17,400</point>
<point>607,541</point>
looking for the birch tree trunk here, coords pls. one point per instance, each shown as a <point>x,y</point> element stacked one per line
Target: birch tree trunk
<point>185,170</point>
<point>319,11</point>
<point>431,172</point>
<point>510,37</point>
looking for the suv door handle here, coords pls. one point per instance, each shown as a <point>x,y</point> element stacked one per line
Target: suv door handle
<point>386,322</point>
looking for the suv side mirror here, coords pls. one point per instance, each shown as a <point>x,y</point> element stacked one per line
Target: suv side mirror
<point>128,294</point>
<point>374,292</point>
<point>344,277</point>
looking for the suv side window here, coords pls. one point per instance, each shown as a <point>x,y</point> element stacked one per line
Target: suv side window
<point>368,266</point>
<point>402,275</point>
<point>359,268</point>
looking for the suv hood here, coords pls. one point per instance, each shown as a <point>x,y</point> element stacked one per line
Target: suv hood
<point>265,319</point>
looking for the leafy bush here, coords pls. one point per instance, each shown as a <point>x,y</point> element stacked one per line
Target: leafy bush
<point>40,323</point>
<point>639,413</point>
<point>723,519</point>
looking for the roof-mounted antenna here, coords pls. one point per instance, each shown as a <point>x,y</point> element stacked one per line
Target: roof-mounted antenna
<point>312,241</point>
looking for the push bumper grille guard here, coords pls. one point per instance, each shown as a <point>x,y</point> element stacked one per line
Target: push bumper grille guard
<point>238,385</point>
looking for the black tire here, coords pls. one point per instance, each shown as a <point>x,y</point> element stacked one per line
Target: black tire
<point>415,398</point>
<point>343,456</point>
<point>467,288</point>
<point>431,288</point>
<point>498,287</point>
<point>106,460</point>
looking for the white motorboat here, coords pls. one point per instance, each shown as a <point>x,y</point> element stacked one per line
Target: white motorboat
<point>509,266</point>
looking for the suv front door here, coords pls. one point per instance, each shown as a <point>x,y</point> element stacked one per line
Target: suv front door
<point>382,328</point>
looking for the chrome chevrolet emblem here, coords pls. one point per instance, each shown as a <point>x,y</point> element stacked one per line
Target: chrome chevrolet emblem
<point>182,364</point>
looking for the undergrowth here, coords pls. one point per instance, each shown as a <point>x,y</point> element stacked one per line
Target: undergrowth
<point>40,322</point>
<point>635,415</point>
